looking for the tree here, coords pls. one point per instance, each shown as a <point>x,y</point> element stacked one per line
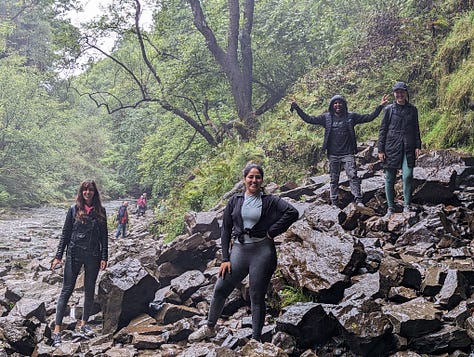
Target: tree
<point>236,65</point>
<point>152,63</point>
<point>36,30</point>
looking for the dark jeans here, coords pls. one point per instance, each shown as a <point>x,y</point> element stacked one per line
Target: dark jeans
<point>335,164</point>
<point>73,265</point>
<point>258,261</point>
<point>121,229</point>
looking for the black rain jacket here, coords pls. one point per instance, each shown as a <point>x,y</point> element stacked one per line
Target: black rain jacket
<point>399,133</point>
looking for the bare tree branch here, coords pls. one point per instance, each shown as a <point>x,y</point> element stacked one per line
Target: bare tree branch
<point>184,150</point>
<point>142,45</point>
<point>122,65</point>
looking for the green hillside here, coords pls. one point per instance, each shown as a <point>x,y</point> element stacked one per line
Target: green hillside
<point>429,48</point>
<point>177,109</point>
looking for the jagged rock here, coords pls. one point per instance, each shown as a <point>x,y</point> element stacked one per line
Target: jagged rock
<point>371,269</point>
<point>141,342</point>
<point>222,352</point>
<point>100,349</point>
<point>458,315</point>
<point>308,323</point>
<point>203,222</point>
<point>118,351</point>
<point>308,353</point>
<point>414,318</point>
<point>395,272</point>
<point>284,341</point>
<point>167,295</point>
<point>19,333</point>
<point>432,283</point>
<point>67,349</point>
<point>364,327</point>
<point>419,233</point>
<point>454,289</point>
<point>405,354</point>
<point>397,223</point>
<point>353,215</point>
<point>189,253</point>
<point>324,217</point>
<point>367,285</point>
<point>202,349</point>
<point>298,192</point>
<point>414,254</point>
<point>469,325</point>
<point>401,294</point>
<point>186,284</point>
<point>125,291</point>
<point>320,263</point>
<point>166,313</point>
<point>448,339</point>
<point>375,224</point>
<point>27,308</point>
<point>256,349</point>
<point>167,272</point>
<point>180,330</point>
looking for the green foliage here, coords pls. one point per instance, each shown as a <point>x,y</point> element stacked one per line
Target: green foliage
<point>451,122</point>
<point>165,155</point>
<point>364,61</point>
<point>51,138</point>
<point>208,182</point>
<point>5,197</point>
<point>290,295</point>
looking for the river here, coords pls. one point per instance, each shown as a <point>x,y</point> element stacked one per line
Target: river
<point>27,233</point>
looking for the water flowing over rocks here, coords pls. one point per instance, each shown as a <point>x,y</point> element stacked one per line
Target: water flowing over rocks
<point>349,282</point>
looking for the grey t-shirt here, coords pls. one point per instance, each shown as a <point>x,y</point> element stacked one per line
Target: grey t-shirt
<point>251,212</point>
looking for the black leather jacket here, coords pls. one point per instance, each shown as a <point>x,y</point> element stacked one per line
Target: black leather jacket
<point>277,216</point>
<point>97,241</point>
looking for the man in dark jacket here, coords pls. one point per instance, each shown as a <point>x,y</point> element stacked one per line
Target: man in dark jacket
<point>340,141</point>
<point>122,220</point>
<point>399,145</point>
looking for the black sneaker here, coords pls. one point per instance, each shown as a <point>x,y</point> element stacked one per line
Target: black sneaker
<point>87,331</point>
<point>56,337</point>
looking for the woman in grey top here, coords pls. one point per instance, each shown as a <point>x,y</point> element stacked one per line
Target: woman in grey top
<point>252,219</point>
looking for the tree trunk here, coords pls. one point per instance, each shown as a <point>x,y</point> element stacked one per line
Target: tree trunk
<point>239,73</point>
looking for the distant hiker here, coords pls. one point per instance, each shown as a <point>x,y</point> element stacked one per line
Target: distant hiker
<point>122,220</point>
<point>340,141</point>
<point>141,205</point>
<point>84,237</point>
<point>399,145</point>
<point>252,220</point>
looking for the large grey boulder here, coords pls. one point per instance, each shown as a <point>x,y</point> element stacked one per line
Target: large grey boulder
<point>125,291</point>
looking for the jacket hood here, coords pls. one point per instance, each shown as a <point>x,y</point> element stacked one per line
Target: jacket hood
<point>333,99</point>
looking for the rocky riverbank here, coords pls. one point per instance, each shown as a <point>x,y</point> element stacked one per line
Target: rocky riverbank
<point>367,285</point>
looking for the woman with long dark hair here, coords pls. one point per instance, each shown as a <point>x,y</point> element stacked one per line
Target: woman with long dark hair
<point>251,219</point>
<point>85,239</point>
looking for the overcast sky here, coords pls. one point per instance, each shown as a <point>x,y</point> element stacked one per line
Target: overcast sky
<point>92,8</point>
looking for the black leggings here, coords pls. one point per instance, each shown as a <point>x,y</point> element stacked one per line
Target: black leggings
<point>259,261</point>
<point>73,265</point>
